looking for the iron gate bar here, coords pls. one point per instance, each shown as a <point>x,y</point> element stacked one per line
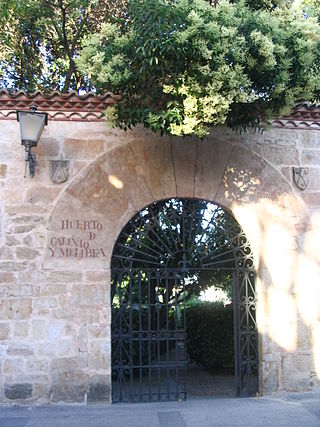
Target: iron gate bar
<point>244,375</point>
<point>150,336</point>
<point>235,286</point>
<point>157,250</point>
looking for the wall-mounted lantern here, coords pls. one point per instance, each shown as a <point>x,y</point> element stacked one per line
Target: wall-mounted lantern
<point>31,127</point>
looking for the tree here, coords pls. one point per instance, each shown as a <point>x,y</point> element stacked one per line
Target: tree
<point>184,66</point>
<point>195,237</point>
<point>40,40</point>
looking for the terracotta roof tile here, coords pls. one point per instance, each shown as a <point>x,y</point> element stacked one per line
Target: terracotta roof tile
<point>59,106</point>
<point>90,107</point>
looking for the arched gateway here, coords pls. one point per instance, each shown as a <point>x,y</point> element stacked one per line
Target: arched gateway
<point>167,252</point>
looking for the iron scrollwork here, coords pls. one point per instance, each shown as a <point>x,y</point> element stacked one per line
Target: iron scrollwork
<point>162,255</point>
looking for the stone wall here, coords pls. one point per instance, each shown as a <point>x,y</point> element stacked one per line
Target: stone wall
<point>56,243</point>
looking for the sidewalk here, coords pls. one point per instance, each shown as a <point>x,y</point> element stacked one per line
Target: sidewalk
<point>288,410</point>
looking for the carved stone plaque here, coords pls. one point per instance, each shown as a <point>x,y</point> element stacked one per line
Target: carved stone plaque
<point>301,177</point>
<point>59,171</point>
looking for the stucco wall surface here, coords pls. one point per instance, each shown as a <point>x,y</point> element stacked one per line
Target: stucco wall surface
<point>56,244</point>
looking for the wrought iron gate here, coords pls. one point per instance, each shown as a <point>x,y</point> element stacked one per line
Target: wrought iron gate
<point>148,336</point>
<point>245,333</point>
<point>163,255</point>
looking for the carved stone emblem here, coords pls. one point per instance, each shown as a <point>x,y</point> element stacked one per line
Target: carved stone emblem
<point>301,177</point>
<point>59,171</point>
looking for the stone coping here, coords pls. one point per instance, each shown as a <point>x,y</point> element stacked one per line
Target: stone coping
<point>90,107</point>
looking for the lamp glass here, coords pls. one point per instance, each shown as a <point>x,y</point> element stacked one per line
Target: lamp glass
<point>31,125</point>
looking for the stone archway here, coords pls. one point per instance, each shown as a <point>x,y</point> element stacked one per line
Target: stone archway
<point>101,199</point>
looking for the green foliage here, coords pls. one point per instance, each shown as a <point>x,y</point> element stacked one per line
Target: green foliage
<point>181,66</point>
<point>185,66</point>
<point>205,229</point>
<point>40,39</point>
<point>210,336</point>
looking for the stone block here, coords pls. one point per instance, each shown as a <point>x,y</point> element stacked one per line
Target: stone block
<point>68,387</point>
<point>248,178</point>
<point>270,377</point>
<point>83,339</point>
<point>66,348</point>
<point>281,155</point>
<point>310,139</point>
<point>39,329</point>
<point>296,374</point>
<point>304,335</point>
<point>312,199</point>
<point>42,195</point>
<point>20,350</point>
<point>310,158</point>
<point>63,300</point>
<point>45,302</point>
<point>304,362</point>
<point>46,350</point>
<point>34,366</point>
<point>154,157</point>
<point>7,277</point>
<point>184,158</point>
<point>6,253</point>
<point>314,176</point>
<point>18,391</point>
<point>3,170</point>
<point>19,229</point>
<point>35,277</point>
<point>93,295</point>
<point>14,266</point>
<point>12,241</point>
<point>41,392</point>
<point>55,330</point>
<point>124,188</point>
<point>4,330</point>
<point>47,148</point>
<point>64,276</point>
<point>11,367</point>
<point>32,377</point>
<point>212,157</point>
<point>88,315</point>
<point>66,364</point>
<point>16,290</point>
<point>315,381</point>
<point>53,290</point>
<point>17,309</point>
<point>69,383</point>
<point>25,209</point>
<point>78,148</point>
<point>99,354</point>
<point>98,331</point>
<point>66,313</point>
<point>287,173</point>
<point>99,389</point>
<point>25,219</point>
<point>77,165</point>
<point>21,329</point>
<point>271,138</point>
<point>97,276</point>
<point>11,195</point>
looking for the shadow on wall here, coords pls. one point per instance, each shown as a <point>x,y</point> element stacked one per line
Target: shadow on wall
<point>287,247</point>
